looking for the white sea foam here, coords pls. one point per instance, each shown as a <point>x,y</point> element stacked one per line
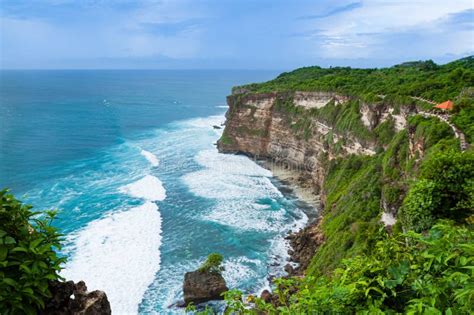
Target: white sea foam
<point>205,122</point>
<point>236,183</point>
<point>150,157</point>
<point>118,254</point>
<point>148,188</point>
<point>240,269</point>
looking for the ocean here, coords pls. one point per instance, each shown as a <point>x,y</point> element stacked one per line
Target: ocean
<point>129,159</point>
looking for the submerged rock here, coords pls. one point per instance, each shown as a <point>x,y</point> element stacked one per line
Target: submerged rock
<point>203,286</point>
<point>82,302</point>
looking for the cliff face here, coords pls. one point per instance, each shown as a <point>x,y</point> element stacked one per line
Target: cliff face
<point>305,130</point>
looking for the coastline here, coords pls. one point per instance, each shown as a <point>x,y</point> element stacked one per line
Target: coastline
<point>302,243</point>
<point>296,186</point>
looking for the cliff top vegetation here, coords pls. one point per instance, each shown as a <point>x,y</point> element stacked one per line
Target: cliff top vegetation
<point>420,78</point>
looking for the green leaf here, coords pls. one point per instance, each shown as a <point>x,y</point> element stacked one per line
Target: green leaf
<point>3,253</point>
<point>19,249</point>
<point>9,240</point>
<point>10,282</point>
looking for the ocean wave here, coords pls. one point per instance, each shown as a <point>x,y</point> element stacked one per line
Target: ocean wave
<point>154,161</point>
<point>148,188</point>
<point>240,269</point>
<point>118,254</point>
<point>238,185</point>
<point>204,122</point>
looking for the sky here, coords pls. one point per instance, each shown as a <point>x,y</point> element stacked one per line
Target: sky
<point>225,34</point>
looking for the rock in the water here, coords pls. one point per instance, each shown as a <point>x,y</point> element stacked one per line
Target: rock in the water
<point>289,269</point>
<point>216,127</point>
<point>203,286</point>
<point>83,302</point>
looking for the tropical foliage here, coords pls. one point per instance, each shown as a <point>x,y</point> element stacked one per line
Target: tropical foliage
<point>410,273</point>
<point>424,264</point>
<point>422,78</point>
<point>28,258</point>
<point>213,263</point>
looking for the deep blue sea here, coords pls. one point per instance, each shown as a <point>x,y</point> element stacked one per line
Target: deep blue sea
<point>128,158</point>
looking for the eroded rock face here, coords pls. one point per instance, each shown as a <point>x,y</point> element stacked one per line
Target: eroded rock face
<point>74,299</point>
<point>202,286</point>
<point>304,244</point>
<point>256,125</point>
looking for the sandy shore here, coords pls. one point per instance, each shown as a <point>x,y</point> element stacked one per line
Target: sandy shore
<point>303,193</point>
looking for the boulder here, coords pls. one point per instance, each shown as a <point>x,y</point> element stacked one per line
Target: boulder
<point>266,296</point>
<point>82,303</point>
<point>203,286</point>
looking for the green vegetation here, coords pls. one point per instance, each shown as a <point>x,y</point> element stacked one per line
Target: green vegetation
<point>423,264</point>
<point>28,259</point>
<point>225,139</point>
<point>425,79</point>
<point>213,263</point>
<point>445,189</point>
<point>394,86</point>
<point>344,119</point>
<point>464,116</point>
<point>409,273</point>
<point>362,268</point>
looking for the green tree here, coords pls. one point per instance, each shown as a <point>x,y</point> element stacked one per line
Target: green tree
<point>213,263</point>
<point>28,258</point>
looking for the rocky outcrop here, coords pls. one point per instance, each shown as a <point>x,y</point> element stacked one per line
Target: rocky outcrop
<point>69,298</point>
<point>260,125</point>
<point>373,115</point>
<point>294,130</point>
<point>304,244</point>
<point>310,100</point>
<point>203,286</point>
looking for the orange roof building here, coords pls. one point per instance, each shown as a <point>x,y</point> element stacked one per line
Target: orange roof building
<point>448,105</point>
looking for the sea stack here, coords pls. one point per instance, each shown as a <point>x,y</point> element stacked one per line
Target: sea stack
<point>202,286</point>
<point>206,283</point>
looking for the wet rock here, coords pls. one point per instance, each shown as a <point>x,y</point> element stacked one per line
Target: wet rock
<point>69,298</point>
<point>216,127</point>
<point>203,286</point>
<point>304,244</point>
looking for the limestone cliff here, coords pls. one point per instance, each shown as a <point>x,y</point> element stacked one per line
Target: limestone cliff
<point>305,130</point>
<point>309,133</point>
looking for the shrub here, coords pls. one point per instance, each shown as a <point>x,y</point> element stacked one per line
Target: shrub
<point>28,260</point>
<point>453,173</point>
<point>212,263</point>
<point>411,273</point>
<point>417,211</point>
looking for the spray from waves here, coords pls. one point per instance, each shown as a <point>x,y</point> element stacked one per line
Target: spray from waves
<point>118,254</point>
<point>236,182</point>
<point>148,188</point>
<point>247,200</point>
<point>154,161</point>
<point>122,249</point>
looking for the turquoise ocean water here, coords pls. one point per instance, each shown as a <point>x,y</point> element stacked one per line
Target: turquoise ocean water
<point>128,158</point>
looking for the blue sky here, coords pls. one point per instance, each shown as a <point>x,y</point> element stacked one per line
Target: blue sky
<point>224,34</point>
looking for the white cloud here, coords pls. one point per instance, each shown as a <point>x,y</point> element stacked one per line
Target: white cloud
<point>359,33</point>
<point>98,34</point>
